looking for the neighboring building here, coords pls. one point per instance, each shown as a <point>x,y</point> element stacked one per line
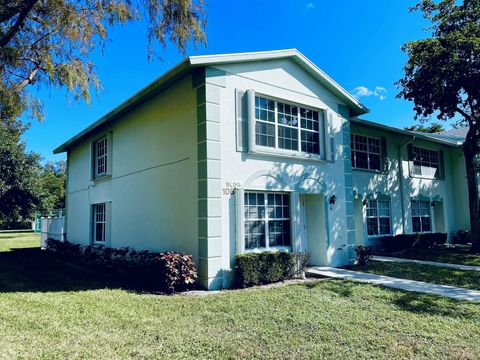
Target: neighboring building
<point>227,154</point>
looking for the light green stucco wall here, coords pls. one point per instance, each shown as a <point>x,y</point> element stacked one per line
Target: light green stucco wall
<point>153,188</point>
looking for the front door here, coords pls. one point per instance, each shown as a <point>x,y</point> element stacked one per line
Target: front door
<point>313,213</point>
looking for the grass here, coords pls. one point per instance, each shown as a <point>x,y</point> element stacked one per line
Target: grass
<point>427,273</point>
<point>10,240</point>
<point>457,255</point>
<point>54,310</point>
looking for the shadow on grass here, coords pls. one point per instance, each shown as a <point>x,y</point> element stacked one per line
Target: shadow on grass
<point>413,302</point>
<point>35,270</point>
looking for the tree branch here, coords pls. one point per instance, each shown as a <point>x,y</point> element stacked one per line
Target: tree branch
<point>28,79</point>
<point>465,115</point>
<point>16,27</point>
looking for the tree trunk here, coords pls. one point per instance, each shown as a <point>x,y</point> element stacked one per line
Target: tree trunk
<point>470,149</point>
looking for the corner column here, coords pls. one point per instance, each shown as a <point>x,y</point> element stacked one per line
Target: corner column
<point>208,83</point>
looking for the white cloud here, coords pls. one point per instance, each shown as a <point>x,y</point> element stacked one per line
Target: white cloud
<point>310,6</point>
<point>363,91</point>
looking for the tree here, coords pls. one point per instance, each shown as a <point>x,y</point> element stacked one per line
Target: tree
<point>19,181</point>
<point>442,77</point>
<point>52,182</point>
<point>49,42</point>
<point>431,129</point>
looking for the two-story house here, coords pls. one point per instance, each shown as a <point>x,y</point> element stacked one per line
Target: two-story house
<point>232,153</point>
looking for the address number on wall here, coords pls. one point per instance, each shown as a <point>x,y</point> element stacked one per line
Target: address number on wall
<point>230,187</point>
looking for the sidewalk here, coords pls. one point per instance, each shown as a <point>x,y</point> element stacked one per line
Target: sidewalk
<point>396,283</point>
<point>423,262</point>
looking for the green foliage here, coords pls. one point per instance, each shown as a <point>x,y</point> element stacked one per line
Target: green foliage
<point>49,42</point>
<point>267,267</point>
<point>407,241</point>
<point>442,77</point>
<point>26,185</point>
<point>52,184</point>
<point>19,185</point>
<point>430,129</point>
<point>169,271</point>
<point>364,254</point>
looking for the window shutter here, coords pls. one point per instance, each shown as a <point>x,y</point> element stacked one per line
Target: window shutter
<point>109,153</point>
<point>240,219</point>
<point>241,120</point>
<point>441,165</point>
<point>92,160</point>
<point>410,158</point>
<point>384,154</point>
<point>108,224</point>
<point>295,212</point>
<point>329,145</point>
<point>251,119</point>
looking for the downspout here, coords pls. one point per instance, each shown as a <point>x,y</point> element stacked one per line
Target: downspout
<point>400,169</point>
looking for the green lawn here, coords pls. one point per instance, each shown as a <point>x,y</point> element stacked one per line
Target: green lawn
<point>427,273</point>
<point>457,255</point>
<point>53,310</point>
<point>10,241</point>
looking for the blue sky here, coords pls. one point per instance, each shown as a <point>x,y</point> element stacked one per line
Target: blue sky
<point>358,43</point>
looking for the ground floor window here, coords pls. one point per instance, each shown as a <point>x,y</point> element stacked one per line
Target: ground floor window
<point>378,217</point>
<point>99,222</point>
<point>267,220</point>
<point>421,216</point>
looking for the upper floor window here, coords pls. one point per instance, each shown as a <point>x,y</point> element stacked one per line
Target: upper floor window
<point>101,156</point>
<point>285,126</point>
<point>267,220</point>
<point>421,216</point>
<point>425,162</point>
<point>366,152</point>
<point>378,217</point>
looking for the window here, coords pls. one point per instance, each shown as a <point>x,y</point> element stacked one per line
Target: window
<point>267,220</point>
<point>421,221</point>
<point>378,217</point>
<point>425,162</point>
<point>99,222</point>
<point>284,126</point>
<point>100,156</point>
<point>365,152</point>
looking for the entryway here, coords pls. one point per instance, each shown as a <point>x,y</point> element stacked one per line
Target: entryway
<point>313,227</point>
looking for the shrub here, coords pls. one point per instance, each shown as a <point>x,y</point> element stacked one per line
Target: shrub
<point>169,271</point>
<point>364,253</point>
<point>407,241</point>
<point>267,267</point>
<point>462,237</point>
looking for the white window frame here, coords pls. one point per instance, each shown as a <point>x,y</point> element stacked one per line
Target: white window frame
<point>429,207</point>
<point>368,152</point>
<point>276,150</point>
<point>105,156</point>
<point>102,221</point>
<point>378,216</point>
<point>425,163</point>
<point>266,220</point>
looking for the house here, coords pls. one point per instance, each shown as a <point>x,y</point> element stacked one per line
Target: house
<point>227,154</point>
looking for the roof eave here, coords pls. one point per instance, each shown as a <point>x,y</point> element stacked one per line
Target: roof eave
<point>405,132</point>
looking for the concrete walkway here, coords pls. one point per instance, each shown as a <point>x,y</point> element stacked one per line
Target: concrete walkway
<point>396,283</point>
<point>423,262</point>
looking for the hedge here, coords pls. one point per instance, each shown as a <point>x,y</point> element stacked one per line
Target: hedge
<point>407,241</point>
<point>169,272</point>
<point>268,267</point>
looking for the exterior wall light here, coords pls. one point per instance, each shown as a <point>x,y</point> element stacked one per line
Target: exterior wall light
<point>332,200</point>
<point>364,202</point>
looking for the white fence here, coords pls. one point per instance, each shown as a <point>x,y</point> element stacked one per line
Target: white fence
<point>53,227</point>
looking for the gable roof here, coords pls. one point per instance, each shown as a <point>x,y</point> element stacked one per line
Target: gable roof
<point>436,138</point>
<point>192,62</point>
